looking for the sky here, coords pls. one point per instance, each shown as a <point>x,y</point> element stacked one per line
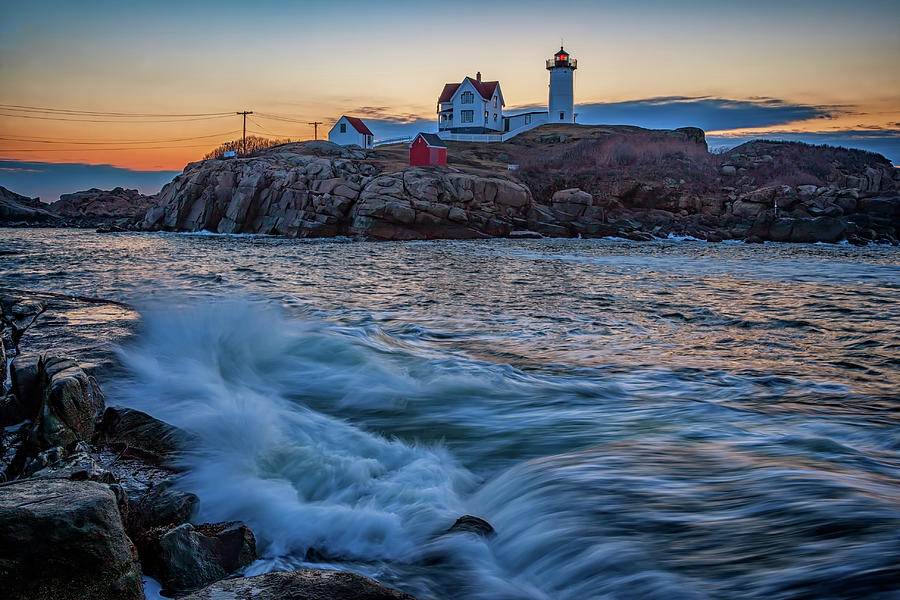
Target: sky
<point>176,72</point>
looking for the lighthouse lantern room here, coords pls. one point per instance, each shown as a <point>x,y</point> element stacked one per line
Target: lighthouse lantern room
<point>562,87</point>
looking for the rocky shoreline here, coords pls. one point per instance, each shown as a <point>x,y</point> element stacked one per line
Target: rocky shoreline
<point>88,502</point>
<point>590,181</point>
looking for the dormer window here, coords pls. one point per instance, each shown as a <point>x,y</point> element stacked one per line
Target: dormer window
<point>467,98</point>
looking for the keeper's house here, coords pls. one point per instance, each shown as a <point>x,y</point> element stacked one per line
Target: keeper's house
<point>473,106</point>
<point>427,149</point>
<point>350,131</point>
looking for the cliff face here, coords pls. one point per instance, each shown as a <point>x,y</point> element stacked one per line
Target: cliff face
<point>582,181</point>
<point>327,190</point>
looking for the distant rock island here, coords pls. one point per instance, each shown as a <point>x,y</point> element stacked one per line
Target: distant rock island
<point>559,180</point>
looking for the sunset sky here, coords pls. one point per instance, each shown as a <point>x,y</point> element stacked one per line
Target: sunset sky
<point>822,72</point>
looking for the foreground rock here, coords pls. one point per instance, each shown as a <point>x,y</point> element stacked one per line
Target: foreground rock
<point>310,584</point>
<point>134,433</point>
<point>64,540</point>
<point>189,557</point>
<point>72,403</point>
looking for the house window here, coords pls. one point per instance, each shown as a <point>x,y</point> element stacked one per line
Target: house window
<point>495,117</point>
<point>468,98</point>
<point>562,116</point>
<point>527,119</point>
<point>343,128</point>
<point>485,115</point>
<point>368,140</point>
<point>495,101</point>
<point>468,116</point>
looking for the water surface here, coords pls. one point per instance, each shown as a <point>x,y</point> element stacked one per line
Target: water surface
<point>658,420</point>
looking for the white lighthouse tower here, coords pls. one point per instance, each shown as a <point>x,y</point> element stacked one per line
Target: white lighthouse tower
<point>562,87</point>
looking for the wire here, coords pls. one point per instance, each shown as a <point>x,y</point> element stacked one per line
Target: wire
<point>98,143</point>
<point>99,149</point>
<point>22,108</point>
<point>114,120</point>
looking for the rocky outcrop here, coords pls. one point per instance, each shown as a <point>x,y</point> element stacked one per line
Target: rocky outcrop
<point>94,206</point>
<point>311,584</point>
<point>279,192</point>
<point>427,203</point>
<point>16,209</point>
<point>64,540</point>
<point>588,182</point>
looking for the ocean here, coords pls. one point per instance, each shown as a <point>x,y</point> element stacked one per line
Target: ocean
<point>671,419</point>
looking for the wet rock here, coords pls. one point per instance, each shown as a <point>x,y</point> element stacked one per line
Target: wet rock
<point>821,229</point>
<point>310,584</point>
<point>77,466</point>
<point>135,433</point>
<point>191,557</point>
<point>160,505</point>
<point>472,524</point>
<point>20,314</point>
<point>64,540</point>
<point>524,235</point>
<point>72,402</point>
<point>24,371</point>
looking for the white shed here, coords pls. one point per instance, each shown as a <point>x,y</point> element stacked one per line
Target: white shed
<point>349,131</point>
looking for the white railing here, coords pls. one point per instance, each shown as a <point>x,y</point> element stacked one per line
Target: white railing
<point>394,140</point>
<point>488,138</point>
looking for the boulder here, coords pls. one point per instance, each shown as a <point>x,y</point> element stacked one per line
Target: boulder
<point>820,229</point>
<point>159,505</point>
<point>472,524</point>
<point>190,557</point>
<point>20,314</point>
<point>72,403</point>
<point>310,584</point>
<point>64,540</point>
<point>24,377</point>
<point>135,433</point>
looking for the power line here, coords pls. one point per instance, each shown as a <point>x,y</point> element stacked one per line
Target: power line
<point>20,107</point>
<point>114,120</point>
<point>108,142</point>
<point>99,149</point>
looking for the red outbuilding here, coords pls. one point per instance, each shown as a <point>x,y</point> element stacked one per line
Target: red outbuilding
<point>427,149</point>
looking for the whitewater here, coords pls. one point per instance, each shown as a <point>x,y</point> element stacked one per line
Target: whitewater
<point>672,419</point>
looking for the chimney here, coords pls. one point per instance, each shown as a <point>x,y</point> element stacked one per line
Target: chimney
<point>478,75</point>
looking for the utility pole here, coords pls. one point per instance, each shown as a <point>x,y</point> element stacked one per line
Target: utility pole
<point>315,125</point>
<point>245,113</point>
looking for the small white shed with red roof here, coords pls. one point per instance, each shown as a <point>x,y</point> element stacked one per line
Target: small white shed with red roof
<point>350,131</point>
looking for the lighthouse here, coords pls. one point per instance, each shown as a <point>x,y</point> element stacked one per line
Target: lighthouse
<point>562,87</point>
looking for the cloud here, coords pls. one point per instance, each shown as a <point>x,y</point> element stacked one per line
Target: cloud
<point>705,112</point>
<point>49,180</point>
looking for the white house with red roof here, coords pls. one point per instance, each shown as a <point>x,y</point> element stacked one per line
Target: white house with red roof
<point>350,131</point>
<point>472,106</point>
<point>472,111</point>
